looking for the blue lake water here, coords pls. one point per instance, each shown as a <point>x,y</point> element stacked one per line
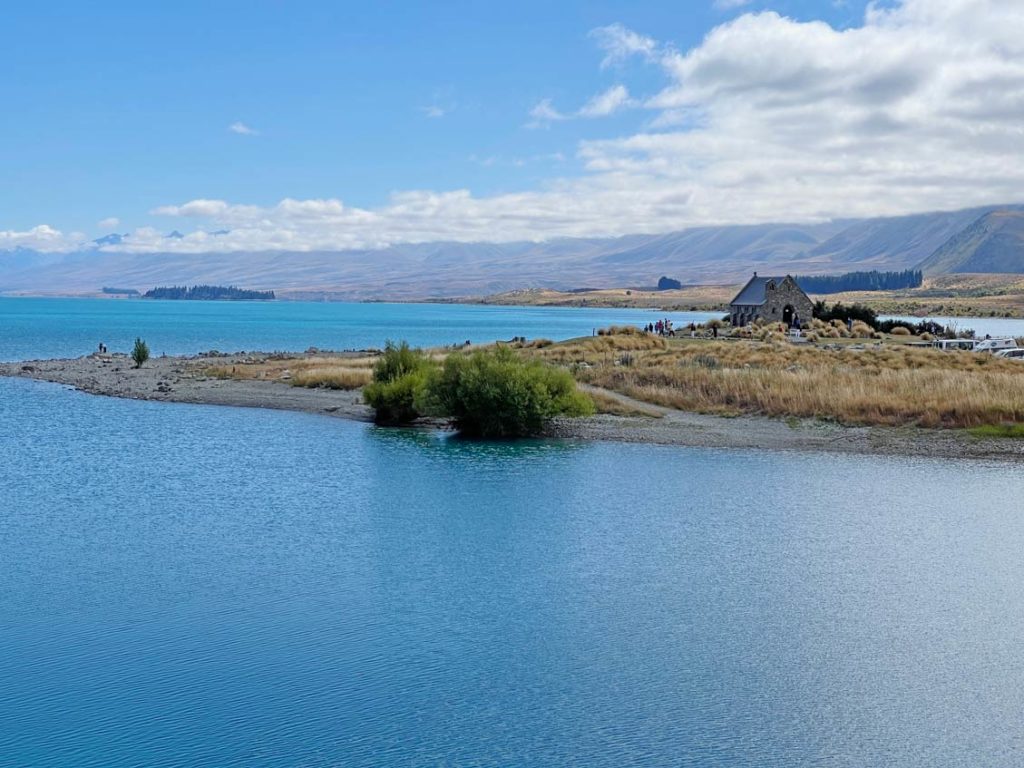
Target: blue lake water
<point>43,328</point>
<point>191,585</point>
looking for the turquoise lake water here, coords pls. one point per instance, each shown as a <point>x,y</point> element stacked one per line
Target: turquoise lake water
<point>192,585</point>
<point>44,328</point>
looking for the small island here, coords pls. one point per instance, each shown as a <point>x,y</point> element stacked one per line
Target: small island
<point>208,293</point>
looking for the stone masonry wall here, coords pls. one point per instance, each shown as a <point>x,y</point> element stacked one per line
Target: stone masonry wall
<point>786,292</point>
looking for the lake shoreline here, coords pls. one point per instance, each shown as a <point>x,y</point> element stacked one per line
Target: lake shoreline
<point>185,379</point>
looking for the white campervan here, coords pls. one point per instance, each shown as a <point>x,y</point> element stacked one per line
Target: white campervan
<point>992,345</point>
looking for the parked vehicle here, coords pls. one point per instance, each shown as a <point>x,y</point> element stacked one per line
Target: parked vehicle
<point>1011,354</point>
<point>948,344</point>
<point>993,345</point>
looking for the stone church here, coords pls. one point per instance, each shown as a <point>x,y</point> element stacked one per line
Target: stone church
<point>771,300</point>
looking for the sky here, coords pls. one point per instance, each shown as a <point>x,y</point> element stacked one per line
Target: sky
<point>306,125</point>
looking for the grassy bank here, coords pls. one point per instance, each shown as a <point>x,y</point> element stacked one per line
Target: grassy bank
<point>851,381</point>
<point>862,384</point>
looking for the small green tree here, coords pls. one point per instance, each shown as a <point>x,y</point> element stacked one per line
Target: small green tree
<point>398,378</point>
<point>140,352</point>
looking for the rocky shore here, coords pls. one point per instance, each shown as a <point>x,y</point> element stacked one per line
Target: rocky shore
<point>186,380</point>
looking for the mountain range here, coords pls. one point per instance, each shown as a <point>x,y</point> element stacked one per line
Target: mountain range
<point>976,240</point>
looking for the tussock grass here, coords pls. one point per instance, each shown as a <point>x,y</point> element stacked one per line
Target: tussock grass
<point>328,372</point>
<point>885,385</point>
<point>332,377</point>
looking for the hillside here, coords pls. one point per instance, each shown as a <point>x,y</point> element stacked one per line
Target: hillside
<point>977,240</point>
<point>993,243</point>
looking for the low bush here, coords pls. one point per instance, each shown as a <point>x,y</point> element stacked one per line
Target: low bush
<point>495,393</point>
<point>399,378</point>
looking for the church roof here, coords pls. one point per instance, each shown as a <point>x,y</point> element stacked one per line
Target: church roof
<point>754,293</point>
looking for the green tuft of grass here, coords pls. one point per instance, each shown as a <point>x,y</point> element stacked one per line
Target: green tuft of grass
<point>1013,431</point>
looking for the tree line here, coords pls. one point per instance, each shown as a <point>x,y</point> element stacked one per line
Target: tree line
<point>861,281</point>
<point>208,293</point>
<point>852,312</point>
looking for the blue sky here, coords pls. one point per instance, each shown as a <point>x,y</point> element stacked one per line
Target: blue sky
<point>115,110</point>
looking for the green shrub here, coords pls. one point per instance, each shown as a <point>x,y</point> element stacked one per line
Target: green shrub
<point>495,393</point>
<point>394,402</point>
<point>398,380</point>
<point>140,352</point>
<point>398,360</point>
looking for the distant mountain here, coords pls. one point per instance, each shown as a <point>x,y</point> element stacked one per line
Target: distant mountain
<point>111,239</point>
<point>897,243</point>
<point>994,242</point>
<point>977,240</point>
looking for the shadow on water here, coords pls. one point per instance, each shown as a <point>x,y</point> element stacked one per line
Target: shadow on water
<point>455,445</point>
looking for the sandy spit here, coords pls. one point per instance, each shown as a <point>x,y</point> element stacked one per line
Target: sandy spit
<point>183,380</point>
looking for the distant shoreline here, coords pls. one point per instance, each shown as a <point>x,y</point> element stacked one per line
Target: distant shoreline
<point>184,380</point>
<point>961,296</point>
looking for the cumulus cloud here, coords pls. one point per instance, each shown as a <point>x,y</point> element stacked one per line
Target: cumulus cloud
<point>196,208</point>
<point>920,107</point>
<point>108,223</point>
<point>42,238</point>
<point>242,129</point>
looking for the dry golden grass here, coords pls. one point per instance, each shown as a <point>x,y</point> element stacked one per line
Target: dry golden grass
<point>314,371</point>
<point>885,384</point>
<point>333,377</point>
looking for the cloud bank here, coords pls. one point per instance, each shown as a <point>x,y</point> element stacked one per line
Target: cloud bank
<point>768,119</point>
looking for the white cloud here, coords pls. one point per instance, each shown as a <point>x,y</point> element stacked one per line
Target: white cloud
<point>109,223</point>
<point>242,129</point>
<point>196,208</point>
<point>434,111</point>
<point>728,5</point>
<point>612,100</point>
<point>620,43</point>
<point>543,113</point>
<point>41,238</point>
<point>919,108</point>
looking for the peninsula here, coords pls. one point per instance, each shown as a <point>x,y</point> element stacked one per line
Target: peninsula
<point>853,396</point>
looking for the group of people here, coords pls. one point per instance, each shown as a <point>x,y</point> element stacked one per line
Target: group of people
<point>664,328</point>
<point>661,327</point>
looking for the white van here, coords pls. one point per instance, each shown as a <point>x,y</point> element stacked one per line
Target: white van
<point>994,345</point>
<point>948,344</point>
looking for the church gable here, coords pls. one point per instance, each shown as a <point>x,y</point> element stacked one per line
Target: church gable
<point>770,299</point>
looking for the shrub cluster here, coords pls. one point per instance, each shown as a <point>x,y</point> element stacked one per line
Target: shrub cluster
<point>491,393</point>
<point>398,378</point>
<point>495,393</point>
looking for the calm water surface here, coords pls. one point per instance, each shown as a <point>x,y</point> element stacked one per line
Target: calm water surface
<point>45,328</point>
<point>185,585</point>
<point>189,585</point>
